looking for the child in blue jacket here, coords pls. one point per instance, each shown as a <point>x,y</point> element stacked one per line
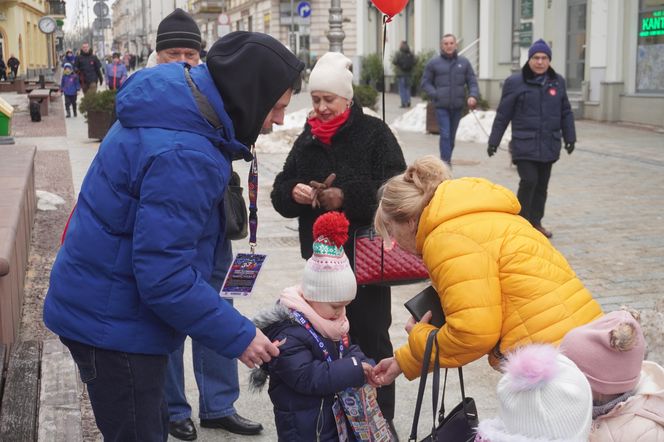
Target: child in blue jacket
<point>70,87</point>
<point>317,363</point>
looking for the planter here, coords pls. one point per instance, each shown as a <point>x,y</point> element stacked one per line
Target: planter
<point>99,122</point>
<point>432,121</point>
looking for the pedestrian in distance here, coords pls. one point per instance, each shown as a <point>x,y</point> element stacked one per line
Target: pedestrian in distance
<point>3,69</point>
<point>535,102</point>
<point>628,392</point>
<point>69,57</point>
<point>542,397</point>
<point>404,62</point>
<point>178,39</point>
<point>445,80</point>
<point>486,263</point>
<point>116,72</point>
<point>337,164</point>
<point>317,359</point>
<point>70,87</point>
<point>131,278</point>
<point>89,69</point>
<point>13,63</point>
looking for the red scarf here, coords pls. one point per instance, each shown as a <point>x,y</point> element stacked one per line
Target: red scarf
<point>325,130</point>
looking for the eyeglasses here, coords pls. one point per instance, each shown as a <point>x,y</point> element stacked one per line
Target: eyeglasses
<point>540,58</point>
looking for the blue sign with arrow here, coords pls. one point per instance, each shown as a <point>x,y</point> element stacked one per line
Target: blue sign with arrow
<point>304,9</point>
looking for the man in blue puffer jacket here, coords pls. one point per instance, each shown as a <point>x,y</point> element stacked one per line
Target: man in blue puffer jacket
<point>445,80</point>
<point>535,101</point>
<point>130,281</point>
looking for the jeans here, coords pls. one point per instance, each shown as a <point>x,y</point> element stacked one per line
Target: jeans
<point>216,376</point>
<point>404,89</point>
<point>126,392</point>
<point>533,185</point>
<point>448,122</point>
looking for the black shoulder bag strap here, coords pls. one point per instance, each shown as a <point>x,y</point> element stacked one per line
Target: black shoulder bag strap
<point>423,382</point>
<point>202,103</point>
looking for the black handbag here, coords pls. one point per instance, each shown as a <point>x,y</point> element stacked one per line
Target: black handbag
<point>235,209</point>
<point>460,424</point>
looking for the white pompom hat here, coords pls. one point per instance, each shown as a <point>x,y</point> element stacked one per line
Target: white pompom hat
<point>332,74</point>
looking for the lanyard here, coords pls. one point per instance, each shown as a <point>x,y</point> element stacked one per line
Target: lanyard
<point>253,197</point>
<point>307,325</point>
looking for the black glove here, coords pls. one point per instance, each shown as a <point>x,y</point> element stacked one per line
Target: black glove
<point>569,147</point>
<point>491,150</point>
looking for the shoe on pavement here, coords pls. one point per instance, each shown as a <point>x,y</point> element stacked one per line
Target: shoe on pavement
<point>234,424</point>
<point>183,430</point>
<point>544,231</point>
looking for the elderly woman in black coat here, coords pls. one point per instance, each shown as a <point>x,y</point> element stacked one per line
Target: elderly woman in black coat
<point>535,101</point>
<point>338,163</point>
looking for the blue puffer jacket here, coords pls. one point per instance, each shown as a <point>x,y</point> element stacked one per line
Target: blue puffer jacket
<point>539,111</point>
<point>132,273</point>
<point>445,79</point>
<point>302,383</point>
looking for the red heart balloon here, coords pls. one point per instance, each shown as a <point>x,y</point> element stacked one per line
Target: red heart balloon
<point>390,7</point>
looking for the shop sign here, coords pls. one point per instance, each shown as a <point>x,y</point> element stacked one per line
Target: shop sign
<point>651,24</point>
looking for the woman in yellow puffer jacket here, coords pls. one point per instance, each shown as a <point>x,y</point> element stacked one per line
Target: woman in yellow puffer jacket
<point>501,283</point>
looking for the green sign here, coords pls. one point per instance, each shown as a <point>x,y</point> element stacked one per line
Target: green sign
<point>526,35</point>
<point>526,8</point>
<point>652,24</point>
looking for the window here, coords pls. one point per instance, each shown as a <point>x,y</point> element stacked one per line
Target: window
<point>650,47</point>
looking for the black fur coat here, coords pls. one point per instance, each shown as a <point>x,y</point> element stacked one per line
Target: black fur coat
<point>364,153</point>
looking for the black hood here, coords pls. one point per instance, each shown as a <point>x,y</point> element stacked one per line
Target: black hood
<point>251,71</point>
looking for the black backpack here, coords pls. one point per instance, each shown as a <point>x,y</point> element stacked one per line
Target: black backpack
<point>406,61</point>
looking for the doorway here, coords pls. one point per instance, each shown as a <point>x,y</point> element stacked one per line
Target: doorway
<point>576,43</point>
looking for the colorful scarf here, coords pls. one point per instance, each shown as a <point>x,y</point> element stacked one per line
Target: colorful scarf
<point>325,130</point>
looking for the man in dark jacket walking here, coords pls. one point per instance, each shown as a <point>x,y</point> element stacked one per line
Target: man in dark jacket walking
<point>535,101</point>
<point>13,63</point>
<point>131,278</point>
<point>445,80</point>
<point>404,62</point>
<point>89,70</point>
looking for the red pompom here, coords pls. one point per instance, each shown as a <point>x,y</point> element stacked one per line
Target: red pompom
<point>333,226</point>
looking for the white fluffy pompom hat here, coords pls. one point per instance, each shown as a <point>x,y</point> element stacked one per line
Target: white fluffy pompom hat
<point>543,397</point>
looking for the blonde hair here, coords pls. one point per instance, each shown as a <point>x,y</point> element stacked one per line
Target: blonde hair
<point>403,197</point>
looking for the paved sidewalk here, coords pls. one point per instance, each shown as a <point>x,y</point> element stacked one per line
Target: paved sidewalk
<point>605,209</point>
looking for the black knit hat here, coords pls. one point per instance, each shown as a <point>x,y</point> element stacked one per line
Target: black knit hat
<point>178,30</point>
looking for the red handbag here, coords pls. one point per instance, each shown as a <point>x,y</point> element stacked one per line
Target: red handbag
<point>375,265</point>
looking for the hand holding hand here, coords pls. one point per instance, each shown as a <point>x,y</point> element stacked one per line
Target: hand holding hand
<point>491,150</point>
<point>386,371</point>
<point>472,103</point>
<point>302,194</point>
<point>569,147</point>
<point>426,318</point>
<point>259,350</point>
<point>318,187</point>
<point>368,373</point>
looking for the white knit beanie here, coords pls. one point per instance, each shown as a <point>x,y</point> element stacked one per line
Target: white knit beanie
<point>543,395</point>
<point>327,274</point>
<point>332,74</point>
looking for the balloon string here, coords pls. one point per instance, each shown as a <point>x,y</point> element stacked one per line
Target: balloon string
<point>386,20</point>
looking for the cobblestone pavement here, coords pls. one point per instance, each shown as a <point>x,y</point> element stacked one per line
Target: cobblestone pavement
<point>605,209</point>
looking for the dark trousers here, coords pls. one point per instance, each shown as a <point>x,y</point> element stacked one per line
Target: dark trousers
<point>126,392</point>
<point>70,100</point>
<point>533,184</point>
<point>370,317</point>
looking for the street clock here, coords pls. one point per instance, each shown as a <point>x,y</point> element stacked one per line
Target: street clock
<point>100,9</point>
<point>47,25</point>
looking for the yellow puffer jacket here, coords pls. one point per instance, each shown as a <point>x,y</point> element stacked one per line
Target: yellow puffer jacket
<point>500,281</point>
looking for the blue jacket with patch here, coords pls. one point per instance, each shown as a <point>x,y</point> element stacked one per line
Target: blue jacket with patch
<point>132,274</point>
<point>540,114</point>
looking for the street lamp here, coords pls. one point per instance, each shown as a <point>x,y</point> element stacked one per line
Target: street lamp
<point>336,34</point>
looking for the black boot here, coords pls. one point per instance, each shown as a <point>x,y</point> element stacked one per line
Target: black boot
<point>68,114</point>
<point>74,107</point>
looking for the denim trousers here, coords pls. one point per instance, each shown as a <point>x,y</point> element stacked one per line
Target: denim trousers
<point>216,376</point>
<point>448,122</point>
<point>126,392</point>
<point>404,89</point>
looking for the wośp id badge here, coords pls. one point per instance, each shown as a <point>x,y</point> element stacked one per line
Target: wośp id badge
<point>241,277</point>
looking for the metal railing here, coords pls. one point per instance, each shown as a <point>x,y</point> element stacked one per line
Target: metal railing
<point>472,53</point>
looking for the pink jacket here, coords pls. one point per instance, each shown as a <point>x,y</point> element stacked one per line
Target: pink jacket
<point>641,417</point>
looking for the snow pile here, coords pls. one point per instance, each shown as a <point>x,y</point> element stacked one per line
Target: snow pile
<point>48,200</point>
<point>293,120</point>
<point>414,120</point>
<point>470,128</point>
